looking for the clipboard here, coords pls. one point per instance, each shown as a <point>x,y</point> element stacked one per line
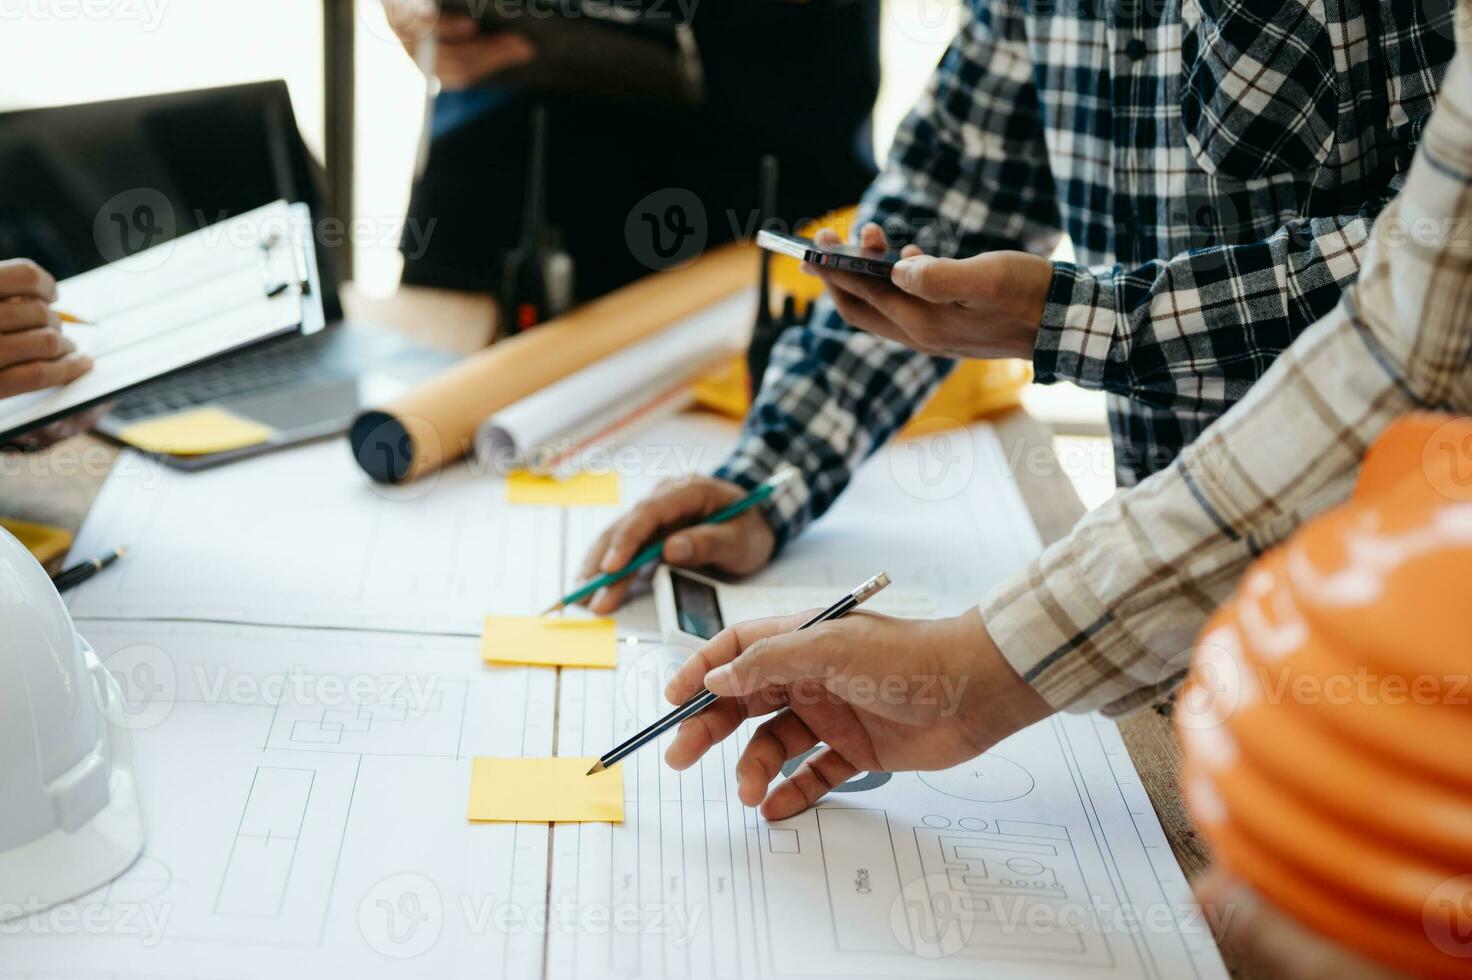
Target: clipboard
<point>175,305</point>
<point>598,47</point>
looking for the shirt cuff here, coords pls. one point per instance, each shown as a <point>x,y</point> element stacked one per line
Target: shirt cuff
<point>1063,641</point>
<point>787,510</point>
<point>1083,335</point>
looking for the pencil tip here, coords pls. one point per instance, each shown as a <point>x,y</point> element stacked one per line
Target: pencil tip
<point>122,551</point>
<point>552,609</point>
<point>597,768</point>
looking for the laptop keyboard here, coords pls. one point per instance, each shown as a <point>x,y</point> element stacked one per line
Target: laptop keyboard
<point>249,372</point>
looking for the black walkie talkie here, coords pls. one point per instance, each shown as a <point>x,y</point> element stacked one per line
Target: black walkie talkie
<point>767,328</point>
<point>537,278</point>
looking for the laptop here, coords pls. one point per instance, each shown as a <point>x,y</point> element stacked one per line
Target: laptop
<point>77,182</point>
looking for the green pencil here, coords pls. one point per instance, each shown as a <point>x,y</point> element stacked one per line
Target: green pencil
<point>652,551</point>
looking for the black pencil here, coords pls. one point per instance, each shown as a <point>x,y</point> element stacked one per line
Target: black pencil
<point>705,699</point>
<point>77,574</point>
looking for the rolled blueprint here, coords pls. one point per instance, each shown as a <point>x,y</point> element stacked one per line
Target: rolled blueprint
<point>549,431</point>
<point>435,423</point>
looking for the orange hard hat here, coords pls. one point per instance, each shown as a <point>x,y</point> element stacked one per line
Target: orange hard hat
<point>1327,721</point>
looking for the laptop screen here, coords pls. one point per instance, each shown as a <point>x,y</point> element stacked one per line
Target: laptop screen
<point>86,184</point>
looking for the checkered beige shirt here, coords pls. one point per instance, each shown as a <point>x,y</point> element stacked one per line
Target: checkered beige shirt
<point>1106,617</point>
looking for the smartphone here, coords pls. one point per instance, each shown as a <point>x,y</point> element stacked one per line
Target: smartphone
<point>847,258</point>
<point>689,606</point>
<point>693,608</point>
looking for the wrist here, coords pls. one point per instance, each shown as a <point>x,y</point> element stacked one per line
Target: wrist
<point>998,701</point>
<point>1033,303</point>
<point>1020,303</point>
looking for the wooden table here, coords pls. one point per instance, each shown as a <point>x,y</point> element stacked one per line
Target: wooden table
<point>57,486</point>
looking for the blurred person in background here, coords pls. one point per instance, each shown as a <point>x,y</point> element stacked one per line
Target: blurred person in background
<point>35,354</point>
<point>796,80</point>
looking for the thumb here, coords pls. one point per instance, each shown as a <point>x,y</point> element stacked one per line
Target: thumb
<point>934,279</point>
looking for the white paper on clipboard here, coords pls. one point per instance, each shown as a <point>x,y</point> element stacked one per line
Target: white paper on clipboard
<point>226,286</point>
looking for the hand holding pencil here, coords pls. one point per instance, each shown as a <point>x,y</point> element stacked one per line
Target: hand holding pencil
<point>860,693</point>
<point>34,353</point>
<point>738,546</point>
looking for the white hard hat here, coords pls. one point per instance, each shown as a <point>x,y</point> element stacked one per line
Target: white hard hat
<point>69,814</point>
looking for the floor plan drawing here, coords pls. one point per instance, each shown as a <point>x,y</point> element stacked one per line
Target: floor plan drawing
<point>304,728</point>
<point>998,869</point>
<point>433,557</point>
<point>304,793</point>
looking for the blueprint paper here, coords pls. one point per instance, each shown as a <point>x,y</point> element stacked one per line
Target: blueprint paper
<point>941,514</point>
<point>302,538</point>
<point>1041,858</point>
<point>304,796</point>
<point>304,759</point>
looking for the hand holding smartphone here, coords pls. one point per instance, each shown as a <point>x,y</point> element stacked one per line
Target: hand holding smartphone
<point>845,258</point>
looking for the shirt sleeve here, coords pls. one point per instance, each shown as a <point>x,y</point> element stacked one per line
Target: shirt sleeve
<point>1106,618</point>
<point>1192,333</point>
<point>968,172</point>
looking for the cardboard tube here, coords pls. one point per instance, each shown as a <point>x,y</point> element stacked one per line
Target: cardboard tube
<point>435,424</point>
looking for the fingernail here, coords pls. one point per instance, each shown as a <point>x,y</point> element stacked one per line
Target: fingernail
<point>610,561</point>
<point>900,275</point>
<point>599,598</point>
<point>719,676</point>
<point>678,550</point>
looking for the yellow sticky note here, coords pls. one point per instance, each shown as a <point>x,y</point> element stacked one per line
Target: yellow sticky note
<point>545,789</point>
<point>579,489</point>
<point>550,641</point>
<point>41,540</point>
<point>197,432</point>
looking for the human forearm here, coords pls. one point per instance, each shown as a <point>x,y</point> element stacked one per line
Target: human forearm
<point>1196,331</point>
<point>1108,616</point>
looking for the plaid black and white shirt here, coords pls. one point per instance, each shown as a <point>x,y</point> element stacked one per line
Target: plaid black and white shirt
<point>1216,163</point>
<point>1106,618</point>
